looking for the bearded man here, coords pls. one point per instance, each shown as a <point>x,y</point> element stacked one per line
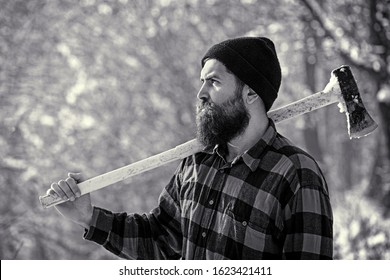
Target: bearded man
<point>250,194</point>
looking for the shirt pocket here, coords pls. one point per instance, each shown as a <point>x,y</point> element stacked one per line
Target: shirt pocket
<point>257,222</point>
<point>255,231</point>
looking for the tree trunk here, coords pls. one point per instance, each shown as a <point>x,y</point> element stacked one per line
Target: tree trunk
<point>310,131</point>
<point>380,180</point>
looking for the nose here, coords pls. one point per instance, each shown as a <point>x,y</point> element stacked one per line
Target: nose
<point>203,93</point>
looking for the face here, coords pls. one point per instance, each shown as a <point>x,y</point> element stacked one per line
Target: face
<point>218,84</point>
<point>221,112</point>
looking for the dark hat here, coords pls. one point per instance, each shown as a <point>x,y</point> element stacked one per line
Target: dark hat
<point>254,61</point>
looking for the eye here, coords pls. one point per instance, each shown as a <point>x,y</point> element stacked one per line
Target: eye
<point>213,81</point>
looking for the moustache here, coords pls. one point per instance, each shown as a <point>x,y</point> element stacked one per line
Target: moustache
<point>204,105</point>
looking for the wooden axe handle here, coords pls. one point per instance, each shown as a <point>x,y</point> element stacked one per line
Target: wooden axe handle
<point>329,95</point>
<point>120,174</point>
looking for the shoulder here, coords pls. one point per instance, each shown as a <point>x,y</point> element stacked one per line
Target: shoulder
<point>299,158</point>
<point>299,163</point>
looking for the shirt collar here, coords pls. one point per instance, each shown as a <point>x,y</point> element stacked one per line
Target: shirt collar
<point>252,157</point>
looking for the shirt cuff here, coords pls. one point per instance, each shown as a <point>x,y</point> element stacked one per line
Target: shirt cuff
<point>100,227</point>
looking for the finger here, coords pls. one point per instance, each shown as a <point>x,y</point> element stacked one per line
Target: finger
<point>67,190</point>
<point>73,186</point>
<point>56,189</point>
<point>52,193</point>
<point>78,177</point>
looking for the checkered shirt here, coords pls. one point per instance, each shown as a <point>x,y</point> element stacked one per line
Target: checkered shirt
<point>270,203</point>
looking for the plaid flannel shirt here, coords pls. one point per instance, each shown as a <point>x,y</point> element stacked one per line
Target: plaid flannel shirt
<point>270,203</point>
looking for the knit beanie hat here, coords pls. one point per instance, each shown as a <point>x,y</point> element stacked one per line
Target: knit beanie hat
<point>254,61</point>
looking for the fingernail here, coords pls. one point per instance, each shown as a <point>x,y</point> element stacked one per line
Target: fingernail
<point>78,194</point>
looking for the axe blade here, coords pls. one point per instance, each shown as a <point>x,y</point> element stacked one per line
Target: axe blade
<point>359,120</point>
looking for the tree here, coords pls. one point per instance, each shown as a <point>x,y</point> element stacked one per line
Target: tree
<point>360,33</point>
<point>93,85</point>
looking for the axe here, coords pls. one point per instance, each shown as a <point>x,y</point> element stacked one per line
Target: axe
<point>341,88</point>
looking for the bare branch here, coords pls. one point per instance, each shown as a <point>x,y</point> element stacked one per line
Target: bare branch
<point>316,12</point>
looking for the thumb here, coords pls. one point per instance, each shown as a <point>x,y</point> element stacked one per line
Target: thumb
<point>78,177</point>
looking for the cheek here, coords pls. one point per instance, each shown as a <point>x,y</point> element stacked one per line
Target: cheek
<point>221,97</point>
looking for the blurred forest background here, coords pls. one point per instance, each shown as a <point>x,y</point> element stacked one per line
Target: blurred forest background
<point>93,85</point>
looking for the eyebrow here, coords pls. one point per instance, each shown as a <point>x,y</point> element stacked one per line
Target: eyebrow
<point>212,75</point>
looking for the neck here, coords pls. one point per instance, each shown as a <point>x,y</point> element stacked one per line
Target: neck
<point>247,139</point>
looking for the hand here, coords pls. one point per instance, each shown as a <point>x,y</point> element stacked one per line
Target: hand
<point>79,208</point>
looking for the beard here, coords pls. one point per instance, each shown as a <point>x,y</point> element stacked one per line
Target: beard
<point>219,124</point>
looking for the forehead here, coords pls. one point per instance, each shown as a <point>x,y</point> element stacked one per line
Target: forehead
<point>213,66</point>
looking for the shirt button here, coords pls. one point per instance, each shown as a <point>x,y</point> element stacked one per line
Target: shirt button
<point>211,202</point>
<point>203,234</point>
<point>244,223</point>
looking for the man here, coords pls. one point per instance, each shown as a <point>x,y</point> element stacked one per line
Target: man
<point>250,194</point>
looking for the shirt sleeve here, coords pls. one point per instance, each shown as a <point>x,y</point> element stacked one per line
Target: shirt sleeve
<point>155,235</point>
<point>309,225</point>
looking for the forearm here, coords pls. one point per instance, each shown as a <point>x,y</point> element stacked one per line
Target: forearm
<point>120,234</point>
<point>130,236</point>
<point>156,235</point>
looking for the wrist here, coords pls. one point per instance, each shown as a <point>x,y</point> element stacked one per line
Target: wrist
<point>86,220</point>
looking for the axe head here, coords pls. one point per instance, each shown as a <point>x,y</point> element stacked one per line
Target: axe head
<point>359,121</point>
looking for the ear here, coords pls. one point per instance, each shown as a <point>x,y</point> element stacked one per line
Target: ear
<point>250,95</point>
